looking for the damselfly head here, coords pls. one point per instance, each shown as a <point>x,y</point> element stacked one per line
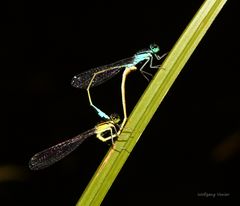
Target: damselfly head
<point>154,48</point>
<point>115,118</point>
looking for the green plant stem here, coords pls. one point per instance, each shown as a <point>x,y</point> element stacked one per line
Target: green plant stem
<point>149,102</point>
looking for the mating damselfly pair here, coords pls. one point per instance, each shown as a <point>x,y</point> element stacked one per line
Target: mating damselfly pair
<point>91,78</point>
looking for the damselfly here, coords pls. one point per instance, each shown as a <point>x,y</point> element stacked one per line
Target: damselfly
<point>99,75</point>
<point>55,153</point>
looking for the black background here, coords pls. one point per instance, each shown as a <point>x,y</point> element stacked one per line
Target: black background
<point>191,145</point>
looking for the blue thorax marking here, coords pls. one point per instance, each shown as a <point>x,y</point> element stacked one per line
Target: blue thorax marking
<point>141,56</point>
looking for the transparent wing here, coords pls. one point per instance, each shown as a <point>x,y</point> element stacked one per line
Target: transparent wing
<point>105,73</point>
<point>55,153</point>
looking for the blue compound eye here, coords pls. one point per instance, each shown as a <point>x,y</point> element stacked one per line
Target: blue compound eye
<point>154,48</point>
